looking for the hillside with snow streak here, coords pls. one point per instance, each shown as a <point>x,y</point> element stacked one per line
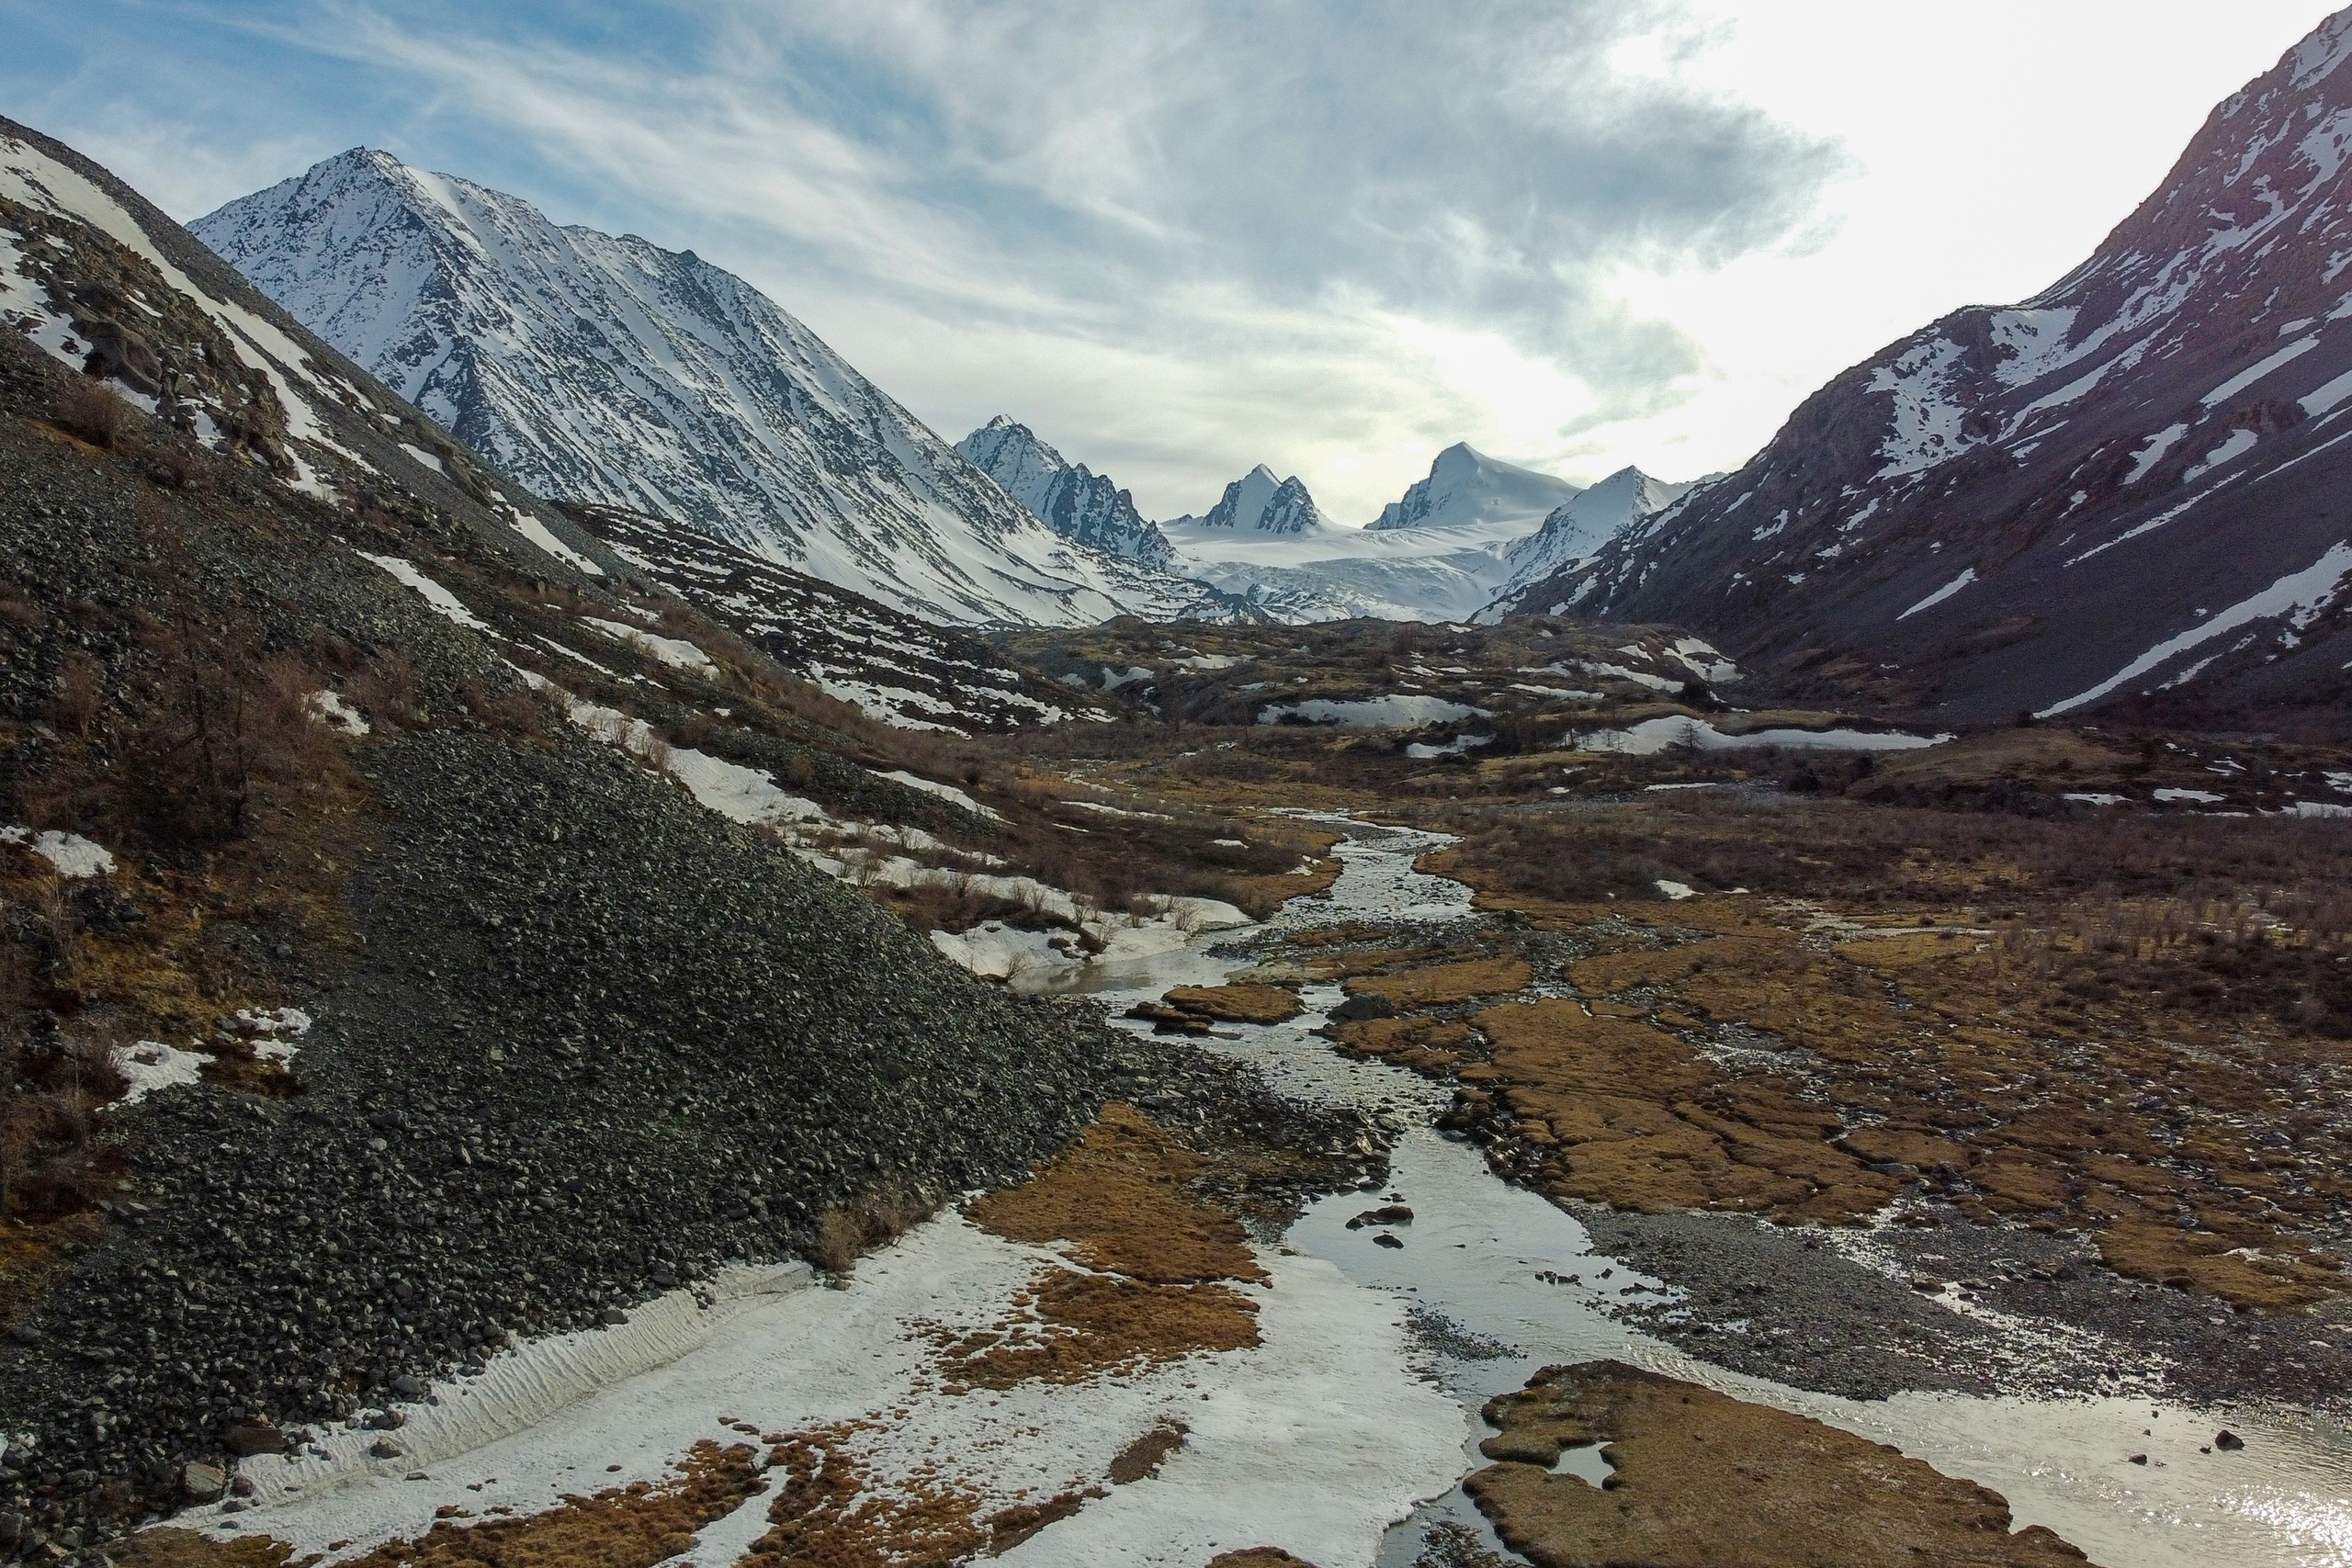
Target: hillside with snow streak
<point>2131,485</point>
<point>609,369</point>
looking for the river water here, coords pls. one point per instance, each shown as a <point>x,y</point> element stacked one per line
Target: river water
<point>1481,1259</point>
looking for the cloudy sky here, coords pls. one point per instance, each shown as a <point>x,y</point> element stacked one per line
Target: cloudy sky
<point>1179,237</point>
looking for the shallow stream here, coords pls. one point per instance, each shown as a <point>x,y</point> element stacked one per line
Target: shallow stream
<point>1483,1263</point>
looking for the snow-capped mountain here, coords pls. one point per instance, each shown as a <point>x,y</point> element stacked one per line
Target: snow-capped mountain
<point>609,369</point>
<point>1258,504</point>
<point>2132,483</point>
<point>1467,486</point>
<point>1069,498</point>
<point>1586,522</point>
<point>1440,553</point>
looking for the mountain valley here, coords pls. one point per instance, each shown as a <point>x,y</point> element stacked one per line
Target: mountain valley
<point>612,953</point>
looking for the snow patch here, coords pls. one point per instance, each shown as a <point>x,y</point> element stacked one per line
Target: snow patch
<point>2299,597</point>
<point>675,652</point>
<point>443,603</point>
<point>1940,595</point>
<point>71,854</point>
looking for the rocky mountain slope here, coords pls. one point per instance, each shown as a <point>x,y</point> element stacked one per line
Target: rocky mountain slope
<point>607,370</point>
<point>2129,486</point>
<point>396,958</point>
<point>1069,498</point>
<point>889,665</point>
<point>1582,524</point>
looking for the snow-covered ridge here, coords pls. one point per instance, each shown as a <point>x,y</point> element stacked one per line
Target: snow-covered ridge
<point>1069,498</point>
<point>609,369</point>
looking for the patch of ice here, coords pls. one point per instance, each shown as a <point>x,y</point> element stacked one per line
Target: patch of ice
<point>2193,796</point>
<point>2260,368</point>
<point>1940,595</point>
<point>1421,753</point>
<point>945,792</point>
<point>430,459</point>
<point>1652,735</point>
<point>1391,711</point>
<point>2153,450</point>
<point>1677,891</point>
<point>544,537</point>
<point>739,794</point>
<point>2093,797</point>
<point>328,707</point>
<point>71,854</point>
<point>2235,445</point>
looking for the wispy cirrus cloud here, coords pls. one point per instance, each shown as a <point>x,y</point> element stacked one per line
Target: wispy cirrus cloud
<point>1177,237</point>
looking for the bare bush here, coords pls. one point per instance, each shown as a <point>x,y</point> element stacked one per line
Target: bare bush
<point>95,412</point>
<point>879,1217</point>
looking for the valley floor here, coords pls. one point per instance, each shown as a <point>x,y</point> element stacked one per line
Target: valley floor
<point>1105,1365</point>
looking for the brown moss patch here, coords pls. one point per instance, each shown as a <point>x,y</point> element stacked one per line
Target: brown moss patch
<point>1444,984</point>
<point>627,1526</point>
<point>1258,1557</point>
<point>1702,1480</point>
<point>1008,1527</point>
<point>1619,1111</point>
<point>1119,1199</point>
<point>1069,1326</point>
<point>1153,1264</point>
<point>1144,1456</point>
<point>169,1547</point>
<point>1432,1047</point>
<point>1237,1003</point>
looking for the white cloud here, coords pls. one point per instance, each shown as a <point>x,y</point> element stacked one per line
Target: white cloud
<point>1179,237</point>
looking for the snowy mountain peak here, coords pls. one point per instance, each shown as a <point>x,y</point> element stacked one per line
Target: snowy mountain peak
<point>1069,498</point>
<point>607,370</point>
<point>1257,502</point>
<point>1464,486</point>
<point>1582,524</point>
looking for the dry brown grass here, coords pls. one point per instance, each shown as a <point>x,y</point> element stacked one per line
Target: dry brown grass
<point>1153,1265</point>
<point>2111,1046</point>
<point>1696,1469</point>
<point>627,1526</point>
<point>95,412</point>
<point>829,1513</point>
<point>1444,984</point>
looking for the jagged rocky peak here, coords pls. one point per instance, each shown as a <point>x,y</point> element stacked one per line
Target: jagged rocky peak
<point>1464,486</point>
<point>607,370</point>
<point>1069,498</point>
<point>1258,503</point>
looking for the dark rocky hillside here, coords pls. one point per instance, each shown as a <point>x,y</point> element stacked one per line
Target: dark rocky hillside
<point>571,1039</point>
<point>2130,485</point>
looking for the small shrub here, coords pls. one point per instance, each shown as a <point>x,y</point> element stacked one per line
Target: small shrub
<point>881,1216</point>
<point>95,412</point>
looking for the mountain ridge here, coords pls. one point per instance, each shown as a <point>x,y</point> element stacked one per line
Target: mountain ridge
<point>556,349</point>
<point>2061,504</point>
